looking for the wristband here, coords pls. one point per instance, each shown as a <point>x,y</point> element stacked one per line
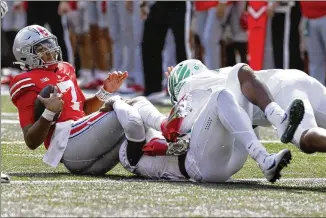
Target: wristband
<point>48,115</point>
<point>103,95</point>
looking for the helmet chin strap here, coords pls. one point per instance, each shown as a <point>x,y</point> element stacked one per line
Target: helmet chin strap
<point>21,65</point>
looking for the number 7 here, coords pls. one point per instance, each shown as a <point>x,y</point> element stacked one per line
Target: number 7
<point>64,86</point>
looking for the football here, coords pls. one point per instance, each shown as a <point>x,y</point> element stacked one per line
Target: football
<point>39,106</point>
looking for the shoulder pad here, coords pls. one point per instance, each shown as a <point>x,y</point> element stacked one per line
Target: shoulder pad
<point>20,84</point>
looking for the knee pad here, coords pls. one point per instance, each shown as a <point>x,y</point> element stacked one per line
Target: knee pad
<point>135,129</point>
<point>130,120</point>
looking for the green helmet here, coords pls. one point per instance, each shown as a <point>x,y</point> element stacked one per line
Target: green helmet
<point>180,72</point>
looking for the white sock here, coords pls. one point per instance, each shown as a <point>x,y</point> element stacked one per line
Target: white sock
<point>100,74</point>
<point>150,115</point>
<point>275,114</point>
<point>257,151</point>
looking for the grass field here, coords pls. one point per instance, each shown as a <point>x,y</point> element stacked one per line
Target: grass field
<point>38,190</point>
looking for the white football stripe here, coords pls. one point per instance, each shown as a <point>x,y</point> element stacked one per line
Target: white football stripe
<point>312,180</point>
<point>9,121</point>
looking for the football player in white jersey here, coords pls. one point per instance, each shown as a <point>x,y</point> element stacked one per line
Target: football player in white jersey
<point>285,86</point>
<point>221,138</point>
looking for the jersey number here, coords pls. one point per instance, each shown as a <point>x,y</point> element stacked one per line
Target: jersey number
<point>69,86</point>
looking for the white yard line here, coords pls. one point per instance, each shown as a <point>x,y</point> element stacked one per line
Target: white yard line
<point>5,121</point>
<point>26,155</point>
<point>12,142</point>
<point>271,141</point>
<point>9,114</point>
<point>319,180</point>
<point>22,142</point>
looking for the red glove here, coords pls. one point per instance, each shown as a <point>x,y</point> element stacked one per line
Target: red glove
<point>244,20</point>
<point>170,129</point>
<point>156,147</point>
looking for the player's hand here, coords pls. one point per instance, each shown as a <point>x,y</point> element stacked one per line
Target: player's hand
<point>114,80</point>
<point>108,105</point>
<point>129,6</point>
<point>54,103</point>
<point>220,11</point>
<point>167,73</point>
<point>63,8</point>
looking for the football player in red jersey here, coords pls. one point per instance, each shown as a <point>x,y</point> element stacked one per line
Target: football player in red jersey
<point>84,139</point>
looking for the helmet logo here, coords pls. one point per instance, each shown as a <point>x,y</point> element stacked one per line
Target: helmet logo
<point>42,31</point>
<point>196,67</point>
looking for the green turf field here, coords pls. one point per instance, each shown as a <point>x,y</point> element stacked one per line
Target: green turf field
<point>39,190</point>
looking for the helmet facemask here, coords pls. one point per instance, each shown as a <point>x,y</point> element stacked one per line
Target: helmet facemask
<point>43,53</point>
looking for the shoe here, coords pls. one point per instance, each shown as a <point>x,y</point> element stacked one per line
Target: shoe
<point>93,85</point>
<point>274,164</point>
<point>294,116</point>
<point>5,178</point>
<point>160,98</point>
<point>124,89</point>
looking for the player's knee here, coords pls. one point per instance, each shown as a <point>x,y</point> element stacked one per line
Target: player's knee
<point>135,130</point>
<point>133,101</point>
<point>245,73</point>
<point>309,138</point>
<point>224,97</point>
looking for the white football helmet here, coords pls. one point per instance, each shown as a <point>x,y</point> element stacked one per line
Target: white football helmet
<point>4,8</point>
<point>33,44</point>
<point>182,71</point>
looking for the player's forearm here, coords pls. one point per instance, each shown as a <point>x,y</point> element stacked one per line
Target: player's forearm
<point>35,135</point>
<point>92,105</point>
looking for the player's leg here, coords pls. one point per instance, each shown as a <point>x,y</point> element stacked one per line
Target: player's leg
<point>106,162</point>
<point>102,67</point>
<point>222,108</point>
<point>154,167</point>
<point>90,139</point>
<point>211,40</point>
<point>316,48</point>
<point>115,34</point>
<point>150,115</point>
<point>314,139</point>
<point>169,57</point>
<point>137,35</point>
<point>81,28</point>
<point>126,34</point>
<point>235,119</point>
<point>242,81</point>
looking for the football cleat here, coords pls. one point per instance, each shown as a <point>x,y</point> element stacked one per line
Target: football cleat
<point>5,178</point>
<point>294,116</point>
<point>274,164</point>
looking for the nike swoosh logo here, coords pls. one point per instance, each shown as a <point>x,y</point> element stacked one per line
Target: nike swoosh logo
<point>285,117</point>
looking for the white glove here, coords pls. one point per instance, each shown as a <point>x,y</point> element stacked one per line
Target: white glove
<point>4,8</point>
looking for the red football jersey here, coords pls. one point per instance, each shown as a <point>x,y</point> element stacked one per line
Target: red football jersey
<point>26,86</point>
